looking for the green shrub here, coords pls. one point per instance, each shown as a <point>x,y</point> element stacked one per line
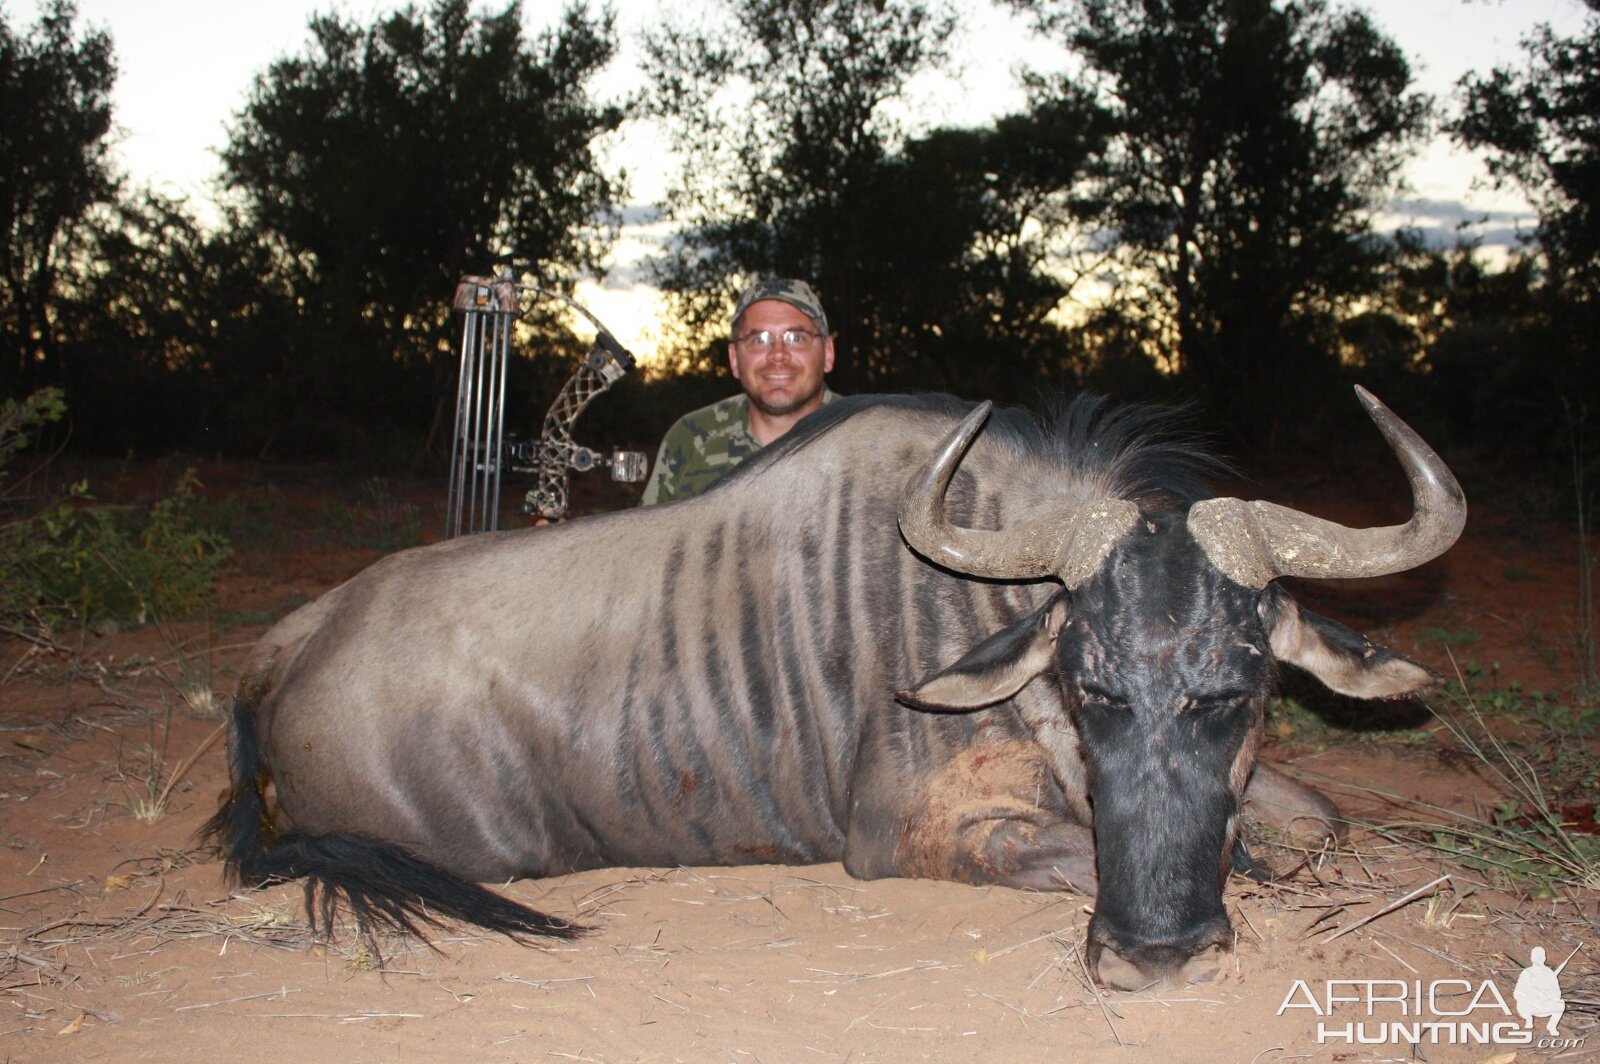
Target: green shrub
<point>96,562</point>
<point>17,418</point>
<point>101,562</point>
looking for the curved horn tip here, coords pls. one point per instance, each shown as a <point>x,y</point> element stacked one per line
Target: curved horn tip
<point>1023,555</point>
<point>979,415</point>
<point>967,431</point>
<point>1370,401</point>
<point>1395,430</point>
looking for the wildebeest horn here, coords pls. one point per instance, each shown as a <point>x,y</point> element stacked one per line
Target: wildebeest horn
<point>1070,544</point>
<point>1256,542</point>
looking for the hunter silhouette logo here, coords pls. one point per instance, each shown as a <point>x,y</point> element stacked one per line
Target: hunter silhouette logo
<point>1538,990</point>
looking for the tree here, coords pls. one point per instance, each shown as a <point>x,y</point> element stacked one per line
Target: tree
<point>55,129</point>
<point>964,263</point>
<point>781,114</point>
<point>171,332</point>
<point>938,256</point>
<point>1251,140</point>
<point>1537,126</point>
<point>388,160</point>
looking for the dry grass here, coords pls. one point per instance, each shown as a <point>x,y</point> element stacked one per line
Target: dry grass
<point>1392,884</point>
<point>38,956</point>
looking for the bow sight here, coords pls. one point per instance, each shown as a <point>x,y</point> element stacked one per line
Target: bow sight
<point>490,307</point>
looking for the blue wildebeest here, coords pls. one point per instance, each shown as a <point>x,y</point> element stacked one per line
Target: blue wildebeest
<point>1041,662</point>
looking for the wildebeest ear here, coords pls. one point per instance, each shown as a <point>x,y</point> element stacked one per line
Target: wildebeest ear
<point>1340,657</point>
<point>996,668</point>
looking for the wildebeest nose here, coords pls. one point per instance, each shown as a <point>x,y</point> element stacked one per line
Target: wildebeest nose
<point>1163,967</point>
<point>1197,956</point>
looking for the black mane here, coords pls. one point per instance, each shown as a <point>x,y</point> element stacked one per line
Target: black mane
<point>1136,450</point>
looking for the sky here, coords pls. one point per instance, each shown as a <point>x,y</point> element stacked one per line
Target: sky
<point>186,67</point>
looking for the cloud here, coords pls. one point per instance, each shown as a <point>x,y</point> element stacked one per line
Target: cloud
<point>644,234</point>
<point>1444,222</point>
<point>640,214</point>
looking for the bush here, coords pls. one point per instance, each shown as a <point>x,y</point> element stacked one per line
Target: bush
<point>99,562</point>
<point>93,562</point>
<point>17,419</point>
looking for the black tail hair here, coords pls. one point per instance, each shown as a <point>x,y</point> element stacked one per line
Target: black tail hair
<point>381,883</point>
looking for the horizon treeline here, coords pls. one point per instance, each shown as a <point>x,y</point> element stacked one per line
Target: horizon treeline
<point>1188,215</point>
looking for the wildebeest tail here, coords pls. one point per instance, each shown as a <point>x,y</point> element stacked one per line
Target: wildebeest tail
<point>381,883</point>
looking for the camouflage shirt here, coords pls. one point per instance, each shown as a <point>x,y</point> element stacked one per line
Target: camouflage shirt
<point>702,447</point>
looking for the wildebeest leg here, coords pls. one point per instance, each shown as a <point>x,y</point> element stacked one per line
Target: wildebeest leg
<point>992,815</point>
<point>1291,806</point>
<point>1017,853</point>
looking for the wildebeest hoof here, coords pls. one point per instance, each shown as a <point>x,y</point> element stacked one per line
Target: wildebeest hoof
<point>1060,862</point>
<point>1302,812</point>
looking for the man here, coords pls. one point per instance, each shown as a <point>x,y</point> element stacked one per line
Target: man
<point>779,352</point>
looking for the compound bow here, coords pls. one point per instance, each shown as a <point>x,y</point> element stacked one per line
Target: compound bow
<point>490,307</point>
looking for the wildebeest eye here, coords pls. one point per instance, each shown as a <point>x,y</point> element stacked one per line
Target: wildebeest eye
<point>1094,695</point>
<point>1219,701</point>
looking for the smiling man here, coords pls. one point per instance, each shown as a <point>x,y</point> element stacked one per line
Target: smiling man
<point>779,353</point>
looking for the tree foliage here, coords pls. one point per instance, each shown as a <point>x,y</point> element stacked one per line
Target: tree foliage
<point>389,159</point>
<point>1251,140</point>
<point>780,112</point>
<point>937,255</point>
<point>55,130</point>
<point>174,331</point>
<point>974,241</point>
<point>1539,129</point>
<point>1189,210</point>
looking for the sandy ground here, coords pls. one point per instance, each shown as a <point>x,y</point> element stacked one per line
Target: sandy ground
<point>119,940</point>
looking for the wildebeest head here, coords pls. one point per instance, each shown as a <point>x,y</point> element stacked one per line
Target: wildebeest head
<point>1164,640</point>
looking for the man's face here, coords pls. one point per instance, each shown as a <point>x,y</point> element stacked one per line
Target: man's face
<point>782,379</point>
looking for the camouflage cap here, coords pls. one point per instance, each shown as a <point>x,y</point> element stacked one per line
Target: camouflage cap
<point>797,294</point>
